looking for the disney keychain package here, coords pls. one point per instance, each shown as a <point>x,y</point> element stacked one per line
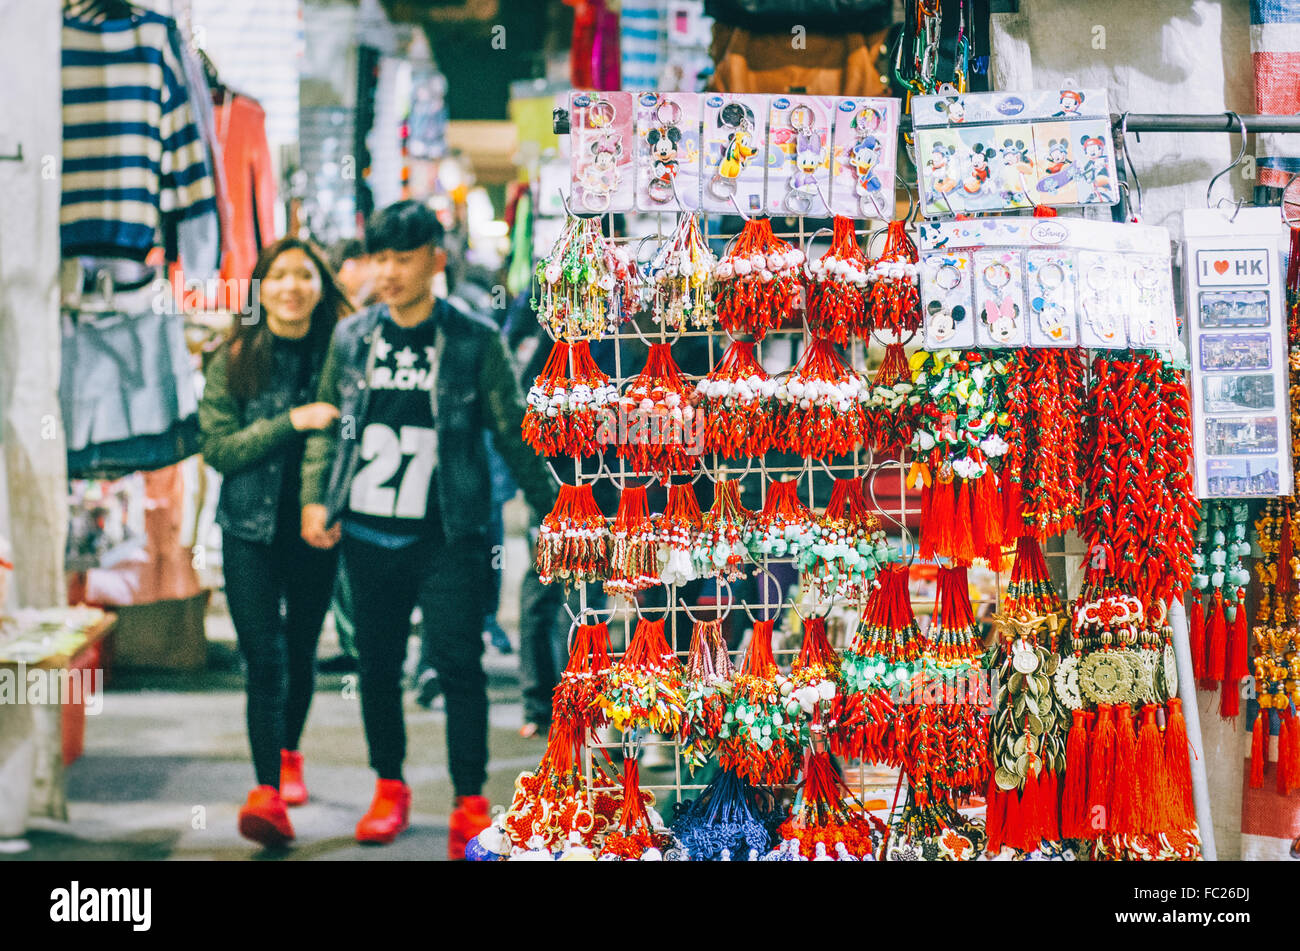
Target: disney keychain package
<point>999,298</point>
<point>798,153</point>
<point>1050,294</point>
<point>1103,323</point>
<point>946,280</point>
<point>864,157</point>
<point>601,152</point>
<point>1000,151</point>
<point>668,151</point>
<point>1152,319</point>
<point>735,153</point>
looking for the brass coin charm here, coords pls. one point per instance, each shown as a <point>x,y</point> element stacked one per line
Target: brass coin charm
<point>1106,677</point>
<point>1066,683</point>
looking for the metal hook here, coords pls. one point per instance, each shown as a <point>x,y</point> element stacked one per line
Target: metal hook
<point>614,480</point>
<point>577,619</point>
<point>1029,195</point>
<point>870,479</point>
<point>1241,154</point>
<point>730,602</point>
<point>775,608</point>
<point>830,605</point>
<point>734,204</point>
<point>1128,160</point>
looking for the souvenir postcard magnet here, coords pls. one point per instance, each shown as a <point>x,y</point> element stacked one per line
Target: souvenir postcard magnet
<point>735,129</point>
<point>1152,322</point>
<point>668,151</point>
<point>1102,300</point>
<point>946,301</point>
<point>798,155</point>
<point>864,157</point>
<point>999,280</point>
<point>600,130</point>
<point>1050,293</point>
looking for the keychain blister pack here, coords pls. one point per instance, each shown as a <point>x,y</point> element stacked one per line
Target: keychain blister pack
<point>864,158</point>
<point>601,171</point>
<point>1000,151</point>
<point>798,156</point>
<point>946,296</point>
<point>735,137</point>
<point>668,151</point>
<point>1046,282</point>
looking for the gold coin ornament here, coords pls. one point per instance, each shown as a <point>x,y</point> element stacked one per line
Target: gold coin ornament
<point>1024,658</point>
<point>1066,683</point>
<point>1106,677</point>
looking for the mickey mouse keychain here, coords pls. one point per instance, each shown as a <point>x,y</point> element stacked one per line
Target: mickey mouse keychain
<point>664,140</point>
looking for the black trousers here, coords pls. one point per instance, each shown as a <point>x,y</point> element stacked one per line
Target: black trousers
<point>451,583</point>
<point>278,595</point>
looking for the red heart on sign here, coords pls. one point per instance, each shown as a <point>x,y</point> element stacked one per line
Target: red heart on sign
<point>1221,266</point>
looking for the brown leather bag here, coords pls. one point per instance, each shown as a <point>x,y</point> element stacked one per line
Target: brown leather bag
<point>816,64</point>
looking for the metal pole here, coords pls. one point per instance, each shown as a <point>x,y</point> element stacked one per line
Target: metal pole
<point>1192,714</point>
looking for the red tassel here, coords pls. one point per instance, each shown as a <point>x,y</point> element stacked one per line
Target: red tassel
<point>926,548</point>
<point>1012,508</point>
<point>1101,765</point>
<point>1292,762</point>
<point>1284,739</point>
<point>1237,641</point>
<point>939,529</point>
<point>963,544</point>
<point>1285,552</point>
<point>1153,780</point>
<point>1230,699</point>
<point>995,817</point>
<point>1127,792</point>
<point>1217,636</point>
<point>1178,767</point>
<point>1013,825</point>
<point>1074,799</point>
<point>1024,831</point>
<point>1257,751</point>
<point>1196,636</point>
<point>1049,799</point>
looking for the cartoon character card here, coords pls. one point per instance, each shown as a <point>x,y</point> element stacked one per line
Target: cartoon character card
<point>601,176</point>
<point>1103,300</point>
<point>668,151</point>
<point>798,155</point>
<point>734,150</point>
<point>864,157</point>
<point>1050,286</point>
<point>983,152</point>
<point>999,298</point>
<point>946,280</point>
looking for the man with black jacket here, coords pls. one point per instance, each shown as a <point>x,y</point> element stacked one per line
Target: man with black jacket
<point>403,482</point>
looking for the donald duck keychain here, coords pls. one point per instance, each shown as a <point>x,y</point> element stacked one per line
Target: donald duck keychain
<point>809,154</point>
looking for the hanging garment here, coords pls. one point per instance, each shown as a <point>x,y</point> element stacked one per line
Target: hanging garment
<point>134,165</point>
<point>246,159</point>
<point>642,42</point>
<point>1275,46</point>
<point>126,376</point>
<point>826,65</point>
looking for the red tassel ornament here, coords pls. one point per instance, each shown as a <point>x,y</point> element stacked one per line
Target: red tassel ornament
<point>894,302</point>
<point>820,405</point>
<point>758,281</point>
<point>1178,767</point>
<point>892,408</point>
<point>759,739</point>
<point>679,535</point>
<point>663,436</point>
<point>633,562</point>
<point>567,406</point>
<point>720,550</point>
<point>644,689</point>
<point>708,690</point>
<point>737,402</point>
<point>574,543</point>
<point>837,283</point>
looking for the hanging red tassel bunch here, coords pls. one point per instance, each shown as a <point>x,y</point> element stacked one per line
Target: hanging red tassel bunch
<point>784,526</point>
<point>708,689</point>
<point>759,738</point>
<point>1276,636</point>
<point>758,281</point>
<point>1044,397</point>
<point>736,399</point>
<point>895,303</point>
<point>960,437</point>
<point>1137,479</point>
<point>814,678</point>
<point>556,802</point>
<point>720,550</point>
<point>1030,591</point>
<point>587,284</point>
<point>679,535</point>
<point>892,406</point>
<point>1219,630</point>
<point>819,410</point>
<point>634,834</point>
<point>565,409</point>
<point>881,661</point>
<point>954,634</point>
<point>634,545</point>
<point>644,689</point>
<point>826,815</point>
<point>574,543</point>
<point>662,435</point>
<point>848,547</point>
<point>583,678</point>
<point>681,285</point>
<point>837,284</point>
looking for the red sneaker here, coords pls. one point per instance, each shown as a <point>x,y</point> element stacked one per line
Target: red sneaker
<point>264,818</point>
<point>468,819</point>
<point>292,789</point>
<point>389,815</point>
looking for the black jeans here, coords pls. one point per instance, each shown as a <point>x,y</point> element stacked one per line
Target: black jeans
<point>278,595</point>
<point>451,584</point>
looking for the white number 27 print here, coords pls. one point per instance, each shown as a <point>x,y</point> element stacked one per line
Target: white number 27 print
<point>383,451</point>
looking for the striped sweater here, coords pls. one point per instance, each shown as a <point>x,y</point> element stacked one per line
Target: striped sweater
<point>134,164</point>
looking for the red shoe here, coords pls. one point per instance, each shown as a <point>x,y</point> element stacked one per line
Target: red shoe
<point>468,819</point>
<point>389,814</point>
<point>264,819</point>
<point>292,789</point>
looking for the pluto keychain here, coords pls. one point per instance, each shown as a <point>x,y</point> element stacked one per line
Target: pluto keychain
<point>739,148</point>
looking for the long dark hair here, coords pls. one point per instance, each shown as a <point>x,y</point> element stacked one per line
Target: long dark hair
<point>249,369</point>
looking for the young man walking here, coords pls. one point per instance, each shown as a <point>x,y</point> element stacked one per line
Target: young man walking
<point>403,482</point>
